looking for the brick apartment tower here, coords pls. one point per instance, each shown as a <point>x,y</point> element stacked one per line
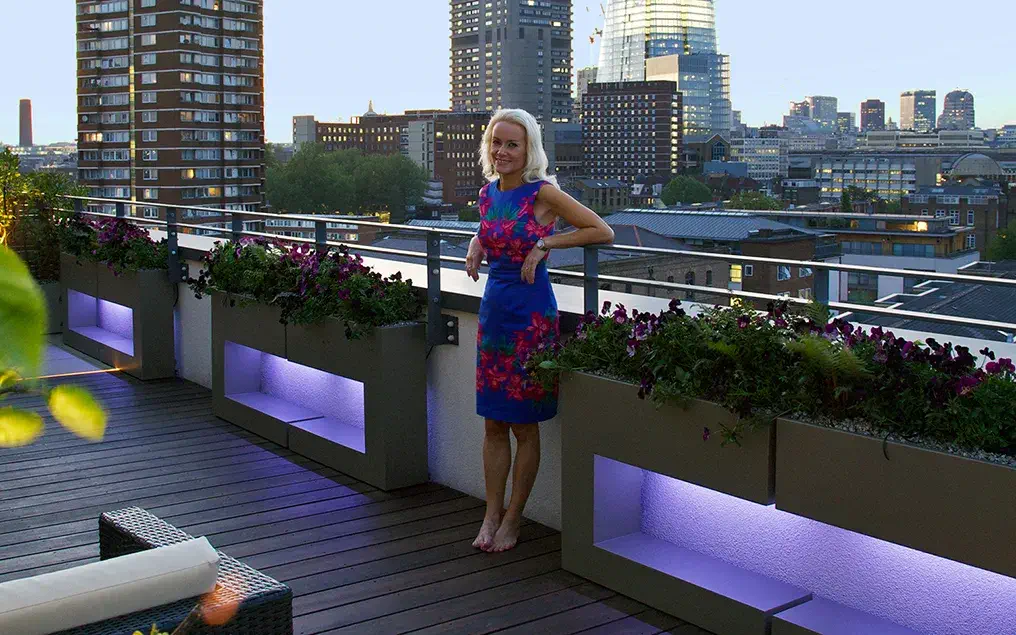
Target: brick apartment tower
<point>25,121</point>
<point>171,104</point>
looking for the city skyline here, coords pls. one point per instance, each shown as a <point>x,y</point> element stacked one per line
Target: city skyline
<point>766,71</point>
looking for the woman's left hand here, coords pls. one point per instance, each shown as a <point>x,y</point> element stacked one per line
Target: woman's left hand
<point>532,261</point>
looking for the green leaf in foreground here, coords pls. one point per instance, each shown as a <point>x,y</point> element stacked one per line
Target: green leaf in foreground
<point>22,316</point>
<point>18,427</point>
<point>77,410</point>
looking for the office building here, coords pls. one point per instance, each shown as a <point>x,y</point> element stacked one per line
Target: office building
<point>584,78</point>
<point>767,158</point>
<point>800,109</point>
<point>872,115</point>
<point>846,123</point>
<point>512,54</point>
<point>170,104</point>
<point>25,123</point>
<point>441,141</point>
<point>917,110</point>
<point>824,110</point>
<point>980,207</point>
<point>635,33</point>
<point>957,111</point>
<point>632,129</point>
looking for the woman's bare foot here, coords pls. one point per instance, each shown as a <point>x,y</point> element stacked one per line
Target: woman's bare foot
<point>506,537</point>
<point>488,530</point>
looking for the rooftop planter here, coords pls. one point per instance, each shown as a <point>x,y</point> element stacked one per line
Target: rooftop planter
<point>117,297</point>
<point>907,442</point>
<point>305,345</point>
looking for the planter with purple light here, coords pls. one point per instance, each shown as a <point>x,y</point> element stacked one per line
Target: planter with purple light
<point>948,505</point>
<point>358,406</point>
<point>610,441</point>
<point>242,334</point>
<point>125,321</point>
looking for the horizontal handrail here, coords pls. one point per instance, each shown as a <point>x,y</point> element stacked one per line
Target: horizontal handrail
<point>433,232</point>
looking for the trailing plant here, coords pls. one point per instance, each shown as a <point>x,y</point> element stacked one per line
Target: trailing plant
<point>309,285</point>
<point>116,242</point>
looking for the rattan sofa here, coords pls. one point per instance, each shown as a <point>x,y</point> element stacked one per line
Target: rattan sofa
<point>265,606</point>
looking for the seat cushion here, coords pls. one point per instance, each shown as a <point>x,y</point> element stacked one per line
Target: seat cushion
<point>102,590</point>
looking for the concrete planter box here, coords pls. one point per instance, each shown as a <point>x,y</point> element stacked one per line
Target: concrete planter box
<point>358,406</point>
<point>55,311</point>
<point>124,321</point>
<point>610,439</point>
<point>950,506</point>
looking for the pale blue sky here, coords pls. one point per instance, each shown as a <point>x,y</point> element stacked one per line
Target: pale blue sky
<point>328,57</point>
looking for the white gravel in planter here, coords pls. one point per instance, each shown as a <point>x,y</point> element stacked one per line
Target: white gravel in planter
<point>863,427</point>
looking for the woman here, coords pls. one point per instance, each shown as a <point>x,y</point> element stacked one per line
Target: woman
<point>518,315</point>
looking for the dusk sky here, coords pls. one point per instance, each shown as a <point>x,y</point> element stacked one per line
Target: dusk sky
<point>329,57</point>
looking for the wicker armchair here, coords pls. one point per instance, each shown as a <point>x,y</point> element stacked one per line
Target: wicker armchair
<point>265,606</point>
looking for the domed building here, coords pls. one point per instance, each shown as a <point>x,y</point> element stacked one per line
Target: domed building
<point>975,166</point>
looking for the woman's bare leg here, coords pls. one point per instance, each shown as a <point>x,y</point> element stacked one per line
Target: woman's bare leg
<point>527,464</point>
<point>497,462</point>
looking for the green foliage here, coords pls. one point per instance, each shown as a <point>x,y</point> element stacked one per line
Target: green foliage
<point>308,286</point>
<point>30,213</point>
<point>846,204</point>
<point>470,214</point>
<point>344,182</point>
<point>22,320</point>
<point>1003,246</point>
<point>894,207</point>
<point>115,242</point>
<point>754,201</point>
<point>685,189</point>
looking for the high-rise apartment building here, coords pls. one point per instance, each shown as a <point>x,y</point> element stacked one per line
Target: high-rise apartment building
<point>917,110</point>
<point>800,109</point>
<point>512,54</point>
<point>25,123</point>
<point>824,110</point>
<point>171,104</point>
<point>957,111</point>
<point>872,115</point>
<point>635,32</point>
<point>846,123</point>
<point>632,129</point>
<point>442,142</point>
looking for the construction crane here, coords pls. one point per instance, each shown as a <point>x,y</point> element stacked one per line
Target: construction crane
<point>597,33</point>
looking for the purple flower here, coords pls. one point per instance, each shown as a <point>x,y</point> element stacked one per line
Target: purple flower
<point>987,352</point>
<point>1007,365</point>
<point>632,347</point>
<point>606,307</point>
<point>674,305</point>
<point>993,368</point>
<point>706,434</point>
<point>743,322</point>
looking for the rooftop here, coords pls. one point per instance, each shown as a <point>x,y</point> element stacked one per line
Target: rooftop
<point>715,226</point>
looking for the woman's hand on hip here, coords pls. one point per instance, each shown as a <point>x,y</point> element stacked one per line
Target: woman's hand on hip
<point>474,258</point>
<point>532,261</point>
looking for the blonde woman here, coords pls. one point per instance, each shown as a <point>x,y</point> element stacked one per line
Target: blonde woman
<point>518,314</point>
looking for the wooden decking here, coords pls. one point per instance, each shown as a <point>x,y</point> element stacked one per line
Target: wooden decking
<point>359,560</point>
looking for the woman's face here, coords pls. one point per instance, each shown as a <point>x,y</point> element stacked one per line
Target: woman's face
<point>508,147</point>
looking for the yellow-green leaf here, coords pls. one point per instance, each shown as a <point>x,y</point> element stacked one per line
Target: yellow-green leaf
<point>18,427</point>
<point>77,410</point>
<point>22,316</point>
<point>8,379</point>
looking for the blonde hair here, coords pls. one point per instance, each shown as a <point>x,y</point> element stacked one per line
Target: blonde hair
<point>537,163</point>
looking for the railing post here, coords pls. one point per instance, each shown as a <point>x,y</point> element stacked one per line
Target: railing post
<point>321,235</point>
<point>441,329</point>
<point>176,268</point>
<point>236,224</point>
<point>79,206</point>
<point>121,209</point>
<point>590,278</point>
<point>822,286</point>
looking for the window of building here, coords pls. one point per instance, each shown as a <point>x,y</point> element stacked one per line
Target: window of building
<point>925,213</point>
<point>148,20</point>
<point>149,136</point>
<point>913,251</point>
<point>782,272</point>
<point>148,78</point>
<point>805,293</point>
<point>147,4</point>
<point>149,155</point>
<point>148,58</point>
<point>150,175</point>
<point>971,241</point>
<point>805,272</point>
<point>151,212</point>
<point>940,213</point>
<point>736,273</point>
<point>709,278</point>
<point>689,278</point>
<point>148,39</point>
<point>970,218</point>
<point>149,97</point>
<point>149,116</point>
<point>150,193</point>
<point>954,217</point>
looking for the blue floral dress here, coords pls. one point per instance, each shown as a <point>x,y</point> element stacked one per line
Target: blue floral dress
<point>516,318</point>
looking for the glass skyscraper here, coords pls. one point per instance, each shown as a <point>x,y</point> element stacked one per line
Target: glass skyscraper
<point>638,30</point>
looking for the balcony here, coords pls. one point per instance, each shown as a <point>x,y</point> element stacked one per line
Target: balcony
<point>363,559</point>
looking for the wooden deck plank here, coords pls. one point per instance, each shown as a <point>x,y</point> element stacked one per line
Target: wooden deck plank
<point>358,559</point>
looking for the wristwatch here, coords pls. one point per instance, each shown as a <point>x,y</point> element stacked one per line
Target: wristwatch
<point>542,246</point>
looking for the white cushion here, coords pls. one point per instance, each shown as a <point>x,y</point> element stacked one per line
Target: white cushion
<point>102,590</point>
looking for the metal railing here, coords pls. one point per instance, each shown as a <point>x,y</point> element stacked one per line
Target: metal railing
<point>439,326</point>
